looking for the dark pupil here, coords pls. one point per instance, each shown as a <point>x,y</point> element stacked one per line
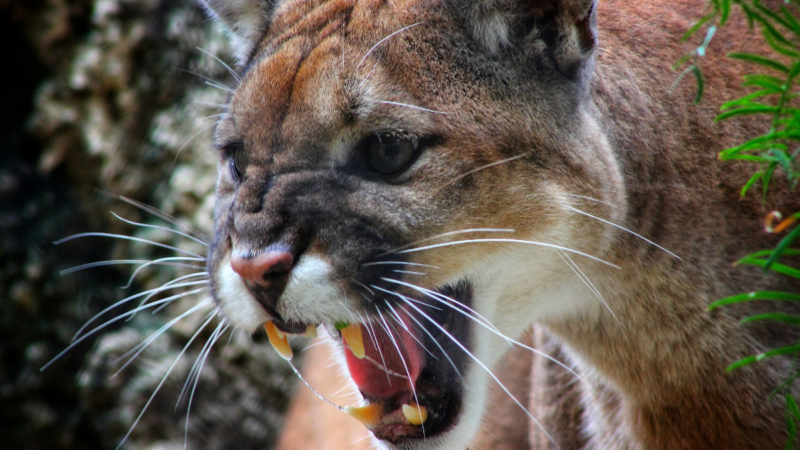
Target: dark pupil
<point>240,161</point>
<point>390,154</point>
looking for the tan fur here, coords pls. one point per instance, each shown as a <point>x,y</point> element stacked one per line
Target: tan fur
<point>324,74</point>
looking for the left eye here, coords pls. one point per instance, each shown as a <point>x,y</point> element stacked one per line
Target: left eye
<point>390,154</point>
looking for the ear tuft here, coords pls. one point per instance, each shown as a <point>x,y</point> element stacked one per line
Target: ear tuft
<point>247,21</point>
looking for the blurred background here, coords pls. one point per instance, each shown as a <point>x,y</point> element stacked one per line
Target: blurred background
<point>99,97</point>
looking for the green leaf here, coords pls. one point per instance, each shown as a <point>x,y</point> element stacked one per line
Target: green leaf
<point>746,100</point>
<point>771,63</point>
<point>725,11</point>
<point>779,317</point>
<point>779,47</point>
<point>783,159</point>
<point>756,176</point>
<point>767,178</point>
<point>761,356</point>
<point>763,109</point>
<point>751,158</point>
<point>341,325</point>
<point>757,295</point>
<point>772,15</point>
<point>780,268</point>
<point>791,428</point>
<point>791,405</point>
<point>782,248</point>
<point>680,62</point>
<point>698,76</point>
<point>693,29</point>
<point>791,20</point>
<point>769,29</point>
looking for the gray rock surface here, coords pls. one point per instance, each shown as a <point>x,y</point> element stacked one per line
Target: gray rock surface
<point>99,98</point>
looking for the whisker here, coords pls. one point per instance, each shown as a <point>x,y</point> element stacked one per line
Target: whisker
<point>133,353</point>
<point>320,396</point>
<point>162,261</point>
<point>488,325</point>
<point>194,136</point>
<point>209,81</point>
<point>159,227</point>
<point>361,84</point>
<point>226,66</point>
<point>216,105</point>
<point>148,294</point>
<point>372,335</point>
<point>470,172</point>
<point>158,262</point>
<point>186,294</point>
<point>624,229</point>
<point>449,233</point>
<point>405,366</point>
<point>512,241</point>
<point>213,340</point>
<point>384,40</point>
<point>591,199</point>
<point>406,298</point>
<point>161,215</point>
<point>410,272</point>
<point>174,363</point>
<point>399,320</point>
<point>583,277</point>
<point>128,238</point>
<point>406,105</point>
<point>378,263</point>
<point>488,371</point>
<point>170,285</point>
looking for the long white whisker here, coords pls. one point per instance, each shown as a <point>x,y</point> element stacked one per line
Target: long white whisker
<point>511,241</point>
<point>113,262</point>
<point>159,227</point>
<point>399,320</point>
<point>406,298</point>
<point>185,294</point>
<point>373,337</point>
<point>133,353</point>
<point>193,136</point>
<point>591,199</point>
<point>216,105</point>
<point>406,105</point>
<point>488,325</point>
<point>171,285</point>
<point>226,66</point>
<point>384,40</point>
<point>410,272</point>
<point>165,375</point>
<point>361,84</point>
<point>478,169</point>
<point>447,301</point>
<point>320,396</point>
<point>213,340</point>
<point>161,215</point>
<point>198,361</point>
<point>405,366</point>
<point>491,374</point>
<point>449,233</point>
<point>164,262</point>
<point>452,363</point>
<point>127,238</point>
<point>149,293</point>
<point>623,229</point>
<point>379,263</point>
<point>585,279</point>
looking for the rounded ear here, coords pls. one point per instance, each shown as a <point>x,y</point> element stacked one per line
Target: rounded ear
<point>247,21</point>
<point>567,28</point>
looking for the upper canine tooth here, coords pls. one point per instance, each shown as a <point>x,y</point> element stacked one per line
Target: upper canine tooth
<point>368,414</point>
<point>311,331</point>
<point>278,340</point>
<point>416,414</point>
<point>353,338</point>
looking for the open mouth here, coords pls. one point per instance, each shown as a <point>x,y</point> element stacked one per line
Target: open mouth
<point>408,361</point>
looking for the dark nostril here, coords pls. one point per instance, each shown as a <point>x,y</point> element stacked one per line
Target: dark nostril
<point>257,268</point>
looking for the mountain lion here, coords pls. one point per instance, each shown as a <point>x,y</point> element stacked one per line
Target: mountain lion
<point>425,180</point>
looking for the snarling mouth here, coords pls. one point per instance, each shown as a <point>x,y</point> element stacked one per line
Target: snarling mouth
<point>407,361</point>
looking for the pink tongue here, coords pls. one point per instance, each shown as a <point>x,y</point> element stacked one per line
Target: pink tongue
<point>370,377</point>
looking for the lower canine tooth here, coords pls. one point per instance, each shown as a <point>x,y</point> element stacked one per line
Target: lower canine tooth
<point>278,341</point>
<point>368,415</point>
<point>415,414</point>
<point>353,338</point>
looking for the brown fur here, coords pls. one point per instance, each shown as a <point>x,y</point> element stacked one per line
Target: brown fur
<point>584,118</point>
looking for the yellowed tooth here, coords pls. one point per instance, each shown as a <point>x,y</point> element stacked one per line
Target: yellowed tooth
<point>368,414</point>
<point>311,331</point>
<point>278,340</point>
<point>353,338</point>
<point>415,414</point>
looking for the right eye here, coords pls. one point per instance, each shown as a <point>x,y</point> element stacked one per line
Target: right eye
<point>239,160</point>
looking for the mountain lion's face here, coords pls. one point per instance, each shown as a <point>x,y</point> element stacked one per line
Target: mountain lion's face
<point>402,175</point>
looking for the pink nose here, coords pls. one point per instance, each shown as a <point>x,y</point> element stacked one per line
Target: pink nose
<point>256,268</point>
